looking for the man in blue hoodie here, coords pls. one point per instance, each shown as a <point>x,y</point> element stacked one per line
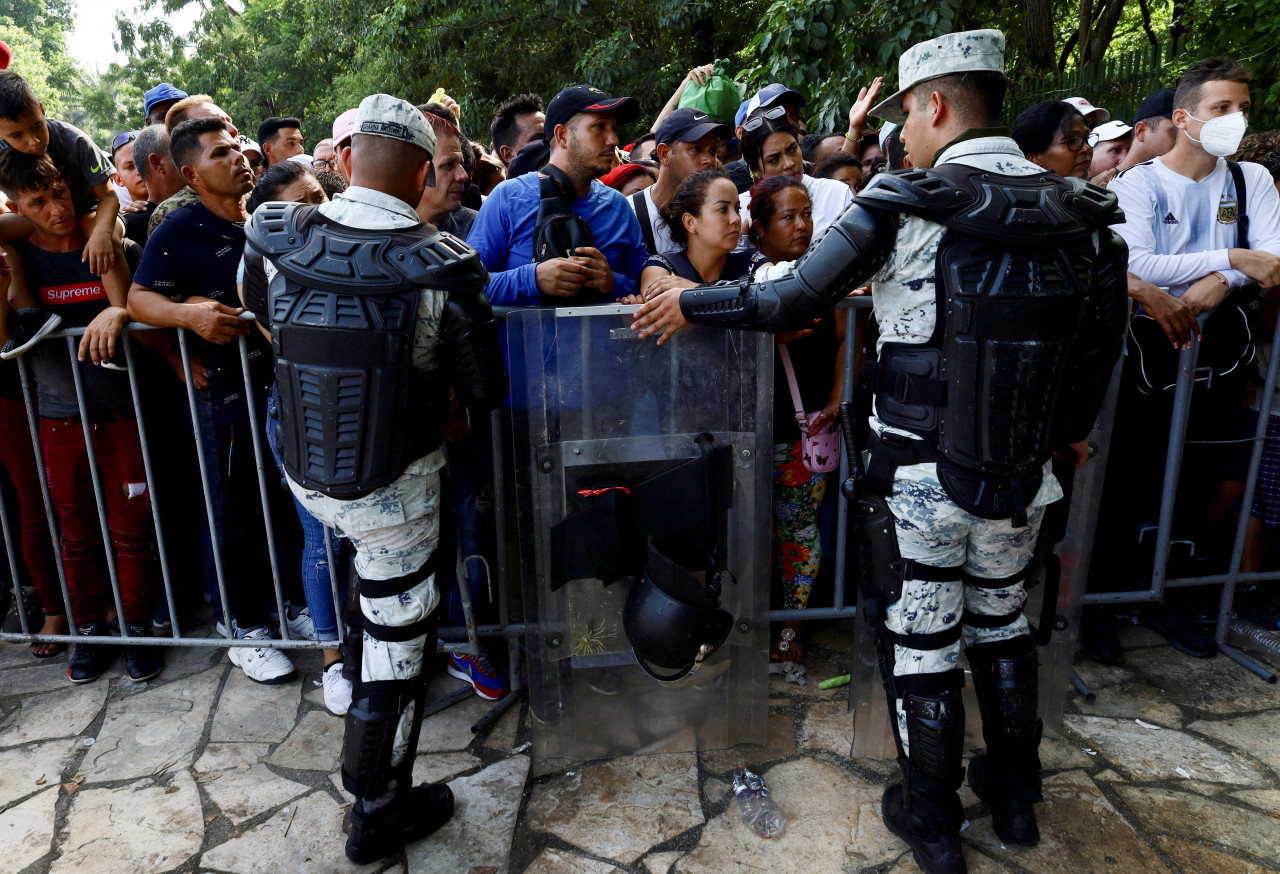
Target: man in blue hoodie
<point>581,123</point>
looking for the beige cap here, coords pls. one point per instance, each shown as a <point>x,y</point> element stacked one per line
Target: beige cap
<point>381,115</point>
<point>969,51</point>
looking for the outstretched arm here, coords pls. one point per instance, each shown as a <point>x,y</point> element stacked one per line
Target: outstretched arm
<point>786,296</point>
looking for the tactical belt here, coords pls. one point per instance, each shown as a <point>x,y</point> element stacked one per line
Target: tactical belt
<point>889,451</point>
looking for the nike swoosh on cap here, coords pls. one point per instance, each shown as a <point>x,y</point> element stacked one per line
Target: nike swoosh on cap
<point>699,117</point>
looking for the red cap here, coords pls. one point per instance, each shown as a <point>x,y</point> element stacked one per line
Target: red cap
<point>5,55</point>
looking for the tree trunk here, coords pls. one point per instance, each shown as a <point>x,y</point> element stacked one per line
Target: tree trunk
<point>1038,22</point>
<point>1104,28</point>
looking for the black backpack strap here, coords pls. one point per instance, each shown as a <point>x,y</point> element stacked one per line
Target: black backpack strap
<point>646,223</point>
<point>1242,217</point>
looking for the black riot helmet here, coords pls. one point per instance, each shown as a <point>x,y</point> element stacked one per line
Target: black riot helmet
<point>672,620</point>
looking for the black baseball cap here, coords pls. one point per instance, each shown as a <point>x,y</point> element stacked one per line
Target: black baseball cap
<point>533,156</point>
<point>688,125</point>
<point>1157,104</point>
<point>584,98</point>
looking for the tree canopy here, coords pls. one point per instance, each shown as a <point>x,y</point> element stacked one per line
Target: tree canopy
<point>317,58</point>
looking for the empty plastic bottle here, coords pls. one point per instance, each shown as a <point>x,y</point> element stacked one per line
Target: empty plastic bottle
<point>755,804</point>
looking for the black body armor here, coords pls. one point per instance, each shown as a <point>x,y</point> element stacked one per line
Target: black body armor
<point>1030,315</point>
<point>343,307</point>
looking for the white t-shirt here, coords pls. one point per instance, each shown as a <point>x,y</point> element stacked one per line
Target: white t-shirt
<point>1179,230</point>
<point>829,198</point>
<point>661,233</point>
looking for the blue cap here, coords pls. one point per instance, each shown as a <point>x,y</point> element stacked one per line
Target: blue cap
<point>741,115</point>
<point>771,94</point>
<point>162,92</point>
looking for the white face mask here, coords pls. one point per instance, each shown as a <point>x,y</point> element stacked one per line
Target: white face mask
<point>1221,136</point>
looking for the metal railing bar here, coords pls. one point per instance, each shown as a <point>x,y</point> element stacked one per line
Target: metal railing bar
<point>256,436</point>
<point>55,534</point>
<point>161,547</point>
<point>100,499</point>
<point>210,517</point>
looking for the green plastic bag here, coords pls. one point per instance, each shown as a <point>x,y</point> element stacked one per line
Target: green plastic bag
<point>719,98</point>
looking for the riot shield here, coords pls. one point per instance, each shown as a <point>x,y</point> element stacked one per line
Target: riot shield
<point>873,736</point>
<point>598,413</point>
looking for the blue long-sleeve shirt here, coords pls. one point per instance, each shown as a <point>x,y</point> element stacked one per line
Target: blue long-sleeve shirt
<point>503,235</point>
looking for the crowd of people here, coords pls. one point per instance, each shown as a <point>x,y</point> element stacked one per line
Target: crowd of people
<point>154,229</point>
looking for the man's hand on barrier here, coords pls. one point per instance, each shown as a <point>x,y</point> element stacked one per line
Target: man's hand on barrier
<point>99,339</point>
<point>599,273</point>
<point>1205,294</point>
<point>561,277</point>
<point>1171,313</point>
<point>216,322</point>
<point>1262,267</point>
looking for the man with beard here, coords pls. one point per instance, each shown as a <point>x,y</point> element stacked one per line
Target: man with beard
<point>582,122</point>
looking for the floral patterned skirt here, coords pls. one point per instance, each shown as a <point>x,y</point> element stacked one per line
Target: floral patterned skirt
<point>797,495</point>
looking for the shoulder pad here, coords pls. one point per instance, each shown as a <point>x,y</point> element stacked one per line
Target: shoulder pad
<point>327,255</point>
<point>914,192</point>
<point>1098,206</point>
<point>440,261</point>
<point>1043,208</point>
<point>272,228</point>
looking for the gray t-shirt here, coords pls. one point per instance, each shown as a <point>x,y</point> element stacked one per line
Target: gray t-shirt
<point>63,284</point>
<point>80,160</point>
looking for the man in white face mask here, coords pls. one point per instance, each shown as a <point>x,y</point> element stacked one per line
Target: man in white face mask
<point>1181,208</point>
<point>1182,213</point>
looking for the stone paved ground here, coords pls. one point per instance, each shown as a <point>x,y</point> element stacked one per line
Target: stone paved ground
<point>201,770</point>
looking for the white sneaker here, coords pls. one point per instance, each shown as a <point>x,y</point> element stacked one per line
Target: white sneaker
<point>337,690</point>
<point>260,664</point>
<point>301,627</point>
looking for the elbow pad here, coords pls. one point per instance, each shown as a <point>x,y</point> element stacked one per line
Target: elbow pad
<point>852,250</point>
<point>471,335</point>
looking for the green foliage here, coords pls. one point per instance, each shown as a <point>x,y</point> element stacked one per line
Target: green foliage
<point>317,58</point>
<point>35,31</point>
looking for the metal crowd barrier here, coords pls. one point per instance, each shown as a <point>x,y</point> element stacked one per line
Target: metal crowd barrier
<point>1160,579</point>
<point>267,472</point>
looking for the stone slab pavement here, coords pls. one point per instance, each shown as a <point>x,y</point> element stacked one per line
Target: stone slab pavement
<point>1175,767</point>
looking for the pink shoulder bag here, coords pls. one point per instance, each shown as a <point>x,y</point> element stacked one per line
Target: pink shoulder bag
<point>820,451</point>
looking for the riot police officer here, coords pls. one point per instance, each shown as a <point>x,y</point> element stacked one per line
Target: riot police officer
<point>375,317</point>
<point>999,294</point>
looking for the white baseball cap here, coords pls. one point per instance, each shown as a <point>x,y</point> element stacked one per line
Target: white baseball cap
<point>1094,115</point>
<point>1111,130</point>
<point>969,51</point>
<point>248,145</point>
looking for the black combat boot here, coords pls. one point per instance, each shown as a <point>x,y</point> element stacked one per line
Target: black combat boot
<point>1007,775</point>
<point>924,810</point>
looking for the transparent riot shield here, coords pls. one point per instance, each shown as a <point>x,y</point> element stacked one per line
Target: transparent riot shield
<point>873,736</point>
<point>595,410</point>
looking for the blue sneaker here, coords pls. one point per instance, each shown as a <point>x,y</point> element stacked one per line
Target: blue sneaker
<point>489,682</point>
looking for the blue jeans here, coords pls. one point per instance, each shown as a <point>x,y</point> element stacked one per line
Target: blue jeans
<point>471,477</point>
<point>316,585</point>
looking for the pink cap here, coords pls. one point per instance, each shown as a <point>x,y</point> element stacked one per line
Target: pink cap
<point>1094,115</point>
<point>342,127</point>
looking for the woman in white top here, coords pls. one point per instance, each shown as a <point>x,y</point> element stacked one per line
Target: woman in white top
<point>770,148</point>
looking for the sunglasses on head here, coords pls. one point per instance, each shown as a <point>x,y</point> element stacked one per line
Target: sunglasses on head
<point>756,120</point>
<point>123,139</point>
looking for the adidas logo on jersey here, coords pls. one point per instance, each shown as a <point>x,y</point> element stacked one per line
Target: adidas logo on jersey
<point>1170,220</point>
